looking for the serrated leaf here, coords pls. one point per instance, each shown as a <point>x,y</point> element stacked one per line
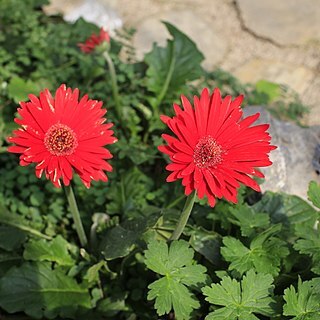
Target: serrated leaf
<point>309,244</point>
<point>264,253</point>
<point>314,193</point>
<point>55,250</point>
<point>241,300</point>
<point>39,291</point>
<point>176,264</point>
<point>303,304</point>
<point>168,293</point>
<point>248,219</point>
<point>171,67</point>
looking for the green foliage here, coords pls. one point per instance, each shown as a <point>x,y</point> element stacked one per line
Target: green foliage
<point>314,193</point>
<point>264,254</point>
<point>44,273</point>
<point>309,244</point>
<point>179,272</point>
<point>169,68</point>
<point>43,250</point>
<point>40,291</point>
<point>241,300</point>
<point>303,304</point>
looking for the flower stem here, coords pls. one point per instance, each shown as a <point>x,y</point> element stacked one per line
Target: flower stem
<point>184,216</point>
<point>114,85</point>
<point>76,216</point>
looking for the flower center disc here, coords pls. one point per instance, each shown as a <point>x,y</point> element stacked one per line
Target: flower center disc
<point>60,140</point>
<point>207,153</point>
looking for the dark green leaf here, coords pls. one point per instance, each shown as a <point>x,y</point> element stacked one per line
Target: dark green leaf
<point>11,238</point>
<point>171,67</point>
<point>39,291</point>
<point>120,240</point>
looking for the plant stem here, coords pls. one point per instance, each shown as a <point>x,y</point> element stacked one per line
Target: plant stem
<point>184,216</point>
<point>114,85</point>
<point>76,216</point>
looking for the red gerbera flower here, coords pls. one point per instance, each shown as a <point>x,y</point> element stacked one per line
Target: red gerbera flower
<point>94,40</point>
<point>214,149</point>
<point>63,135</point>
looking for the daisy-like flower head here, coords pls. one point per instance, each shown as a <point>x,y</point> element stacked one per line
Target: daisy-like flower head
<point>214,149</point>
<point>63,135</point>
<point>94,40</point>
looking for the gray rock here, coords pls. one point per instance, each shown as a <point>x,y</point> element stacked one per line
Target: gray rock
<point>287,22</point>
<point>292,167</point>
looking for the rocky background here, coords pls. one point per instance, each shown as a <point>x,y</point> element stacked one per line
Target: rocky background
<point>275,40</point>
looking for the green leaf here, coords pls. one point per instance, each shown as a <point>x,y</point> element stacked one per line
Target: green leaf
<point>176,265</point>
<point>8,260</point>
<point>248,219</point>
<point>171,67</point>
<point>241,300</point>
<point>264,254</point>
<point>270,89</point>
<point>39,291</point>
<point>309,244</point>
<point>55,250</point>
<point>120,240</point>
<point>314,193</point>
<point>17,221</point>
<point>11,238</point>
<point>287,209</point>
<point>19,89</point>
<point>168,293</point>
<point>303,304</point>
<point>206,243</point>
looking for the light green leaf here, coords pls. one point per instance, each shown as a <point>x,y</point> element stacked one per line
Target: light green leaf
<point>176,264</point>
<point>248,219</point>
<point>314,193</point>
<point>19,89</point>
<point>39,291</point>
<point>55,250</point>
<point>168,293</point>
<point>270,89</point>
<point>171,67</point>
<point>264,254</point>
<point>241,300</point>
<point>303,304</point>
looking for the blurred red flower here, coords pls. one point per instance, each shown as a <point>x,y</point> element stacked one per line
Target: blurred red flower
<point>94,40</point>
<point>214,150</point>
<point>63,135</point>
